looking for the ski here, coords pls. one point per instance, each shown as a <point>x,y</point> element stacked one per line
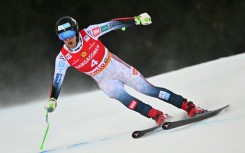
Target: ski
<point>140,133</point>
<point>175,124</point>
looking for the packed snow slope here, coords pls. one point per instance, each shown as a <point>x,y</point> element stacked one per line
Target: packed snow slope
<point>94,123</point>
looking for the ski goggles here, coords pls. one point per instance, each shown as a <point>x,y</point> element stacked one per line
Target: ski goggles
<point>67,34</point>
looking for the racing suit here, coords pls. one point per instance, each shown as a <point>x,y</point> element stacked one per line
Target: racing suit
<point>111,73</point>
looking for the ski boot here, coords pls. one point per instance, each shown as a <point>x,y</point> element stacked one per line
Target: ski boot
<point>158,116</point>
<point>191,108</point>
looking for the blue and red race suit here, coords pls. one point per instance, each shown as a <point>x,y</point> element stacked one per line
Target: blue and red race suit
<point>91,57</point>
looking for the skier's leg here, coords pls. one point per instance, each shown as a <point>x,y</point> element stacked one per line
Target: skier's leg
<point>164,94</point>
<point>133,78</point>
<point>119,70</point>
<point>147,88</point>
<point>115,89</point>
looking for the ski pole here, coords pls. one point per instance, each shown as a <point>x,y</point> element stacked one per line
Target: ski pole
<point>46,132</point>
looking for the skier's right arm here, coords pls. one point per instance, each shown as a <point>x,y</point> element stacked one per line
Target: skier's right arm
<point>61,66</point>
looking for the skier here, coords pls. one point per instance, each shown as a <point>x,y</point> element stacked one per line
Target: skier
<point>86,53</point>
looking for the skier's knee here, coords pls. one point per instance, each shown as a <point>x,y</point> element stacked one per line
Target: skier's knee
<point>114,93</point>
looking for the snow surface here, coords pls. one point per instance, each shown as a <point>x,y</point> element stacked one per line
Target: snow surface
<point>94,123</point>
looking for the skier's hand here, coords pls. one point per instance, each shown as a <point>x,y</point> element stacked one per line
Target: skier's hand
<point>143,19</point>
<point>50,105</point>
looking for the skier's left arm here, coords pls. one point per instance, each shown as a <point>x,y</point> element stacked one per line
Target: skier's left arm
<point>98,30</point>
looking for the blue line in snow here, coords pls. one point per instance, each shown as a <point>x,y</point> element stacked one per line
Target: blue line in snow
<point>105,139</point>
<point>78,144</point>
<point>47,151</point>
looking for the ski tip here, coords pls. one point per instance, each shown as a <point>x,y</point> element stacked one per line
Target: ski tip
<point>137,134</point>
<point>166,125</point>
<point>226,106</point>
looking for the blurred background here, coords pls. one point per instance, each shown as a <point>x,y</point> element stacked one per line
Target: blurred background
<point>183,33</point>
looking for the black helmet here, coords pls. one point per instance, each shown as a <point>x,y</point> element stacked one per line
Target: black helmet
<point>66,23</point>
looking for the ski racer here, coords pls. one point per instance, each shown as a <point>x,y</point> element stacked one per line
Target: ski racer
<point>84,51</point>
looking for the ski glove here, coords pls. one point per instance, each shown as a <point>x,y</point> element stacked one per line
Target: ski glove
<point>143,19</point>
<point>50,105</point>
